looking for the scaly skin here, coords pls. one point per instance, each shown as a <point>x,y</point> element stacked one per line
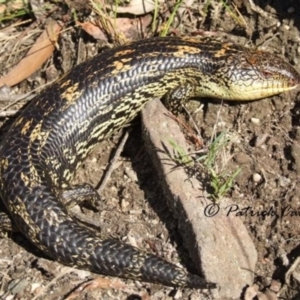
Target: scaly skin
<point>55,132</point>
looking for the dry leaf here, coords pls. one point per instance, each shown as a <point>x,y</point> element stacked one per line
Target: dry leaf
<point>125,27</point>
<point>131,29</point>
<point>36,56</point>
<point>99,283</point>
<point>138,7</point>
<point>251,292</point>
<point>92,30</point>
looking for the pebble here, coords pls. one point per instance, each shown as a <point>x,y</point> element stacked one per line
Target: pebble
<point>284,181</point>
<point>160,295</point>
<point>178,294</point>
<point>36,285</point>
<point>221,124</point>
<point>291,10</point>
<point>132,240</point>
<point>131,174</point>
<point>255,121</point>
<point>18,285</point>
<point>275,286</point>
<point>251,292</point>
<point>256,177</point>
<point>82,274</point>
<point>125,204</point>
<point>242,158</point>
<point>260,140</point>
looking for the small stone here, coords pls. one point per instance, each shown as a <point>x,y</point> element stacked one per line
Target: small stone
<point>256,177</point>
<point>221,124</point>
<point>242,158</point>
<point>132,240</point>
<point>255,121</point>
<point>18,285</point>
<point>82,274</point>
<point>124,204</point>
<point>154,222</point>
<point>264,147</point>
<point>160,295</point>
<point>35,286</point>
<point>284,260</point>
<point>178,294</point>
<point>131,174</point>
<point>284,181</point>
<point>268,295</point>
<point>251,292</point>
<point>291,10</point>
<point>275,286</point>
<point>260,140</point>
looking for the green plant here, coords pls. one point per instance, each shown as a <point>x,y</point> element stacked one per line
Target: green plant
<point>13,9</point>
<point>180,156</point>
<point>170,21</point>
<point>230,8</point>
<point>221,181</point>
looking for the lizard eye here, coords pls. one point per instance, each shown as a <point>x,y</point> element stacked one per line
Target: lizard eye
<point>267,74</point>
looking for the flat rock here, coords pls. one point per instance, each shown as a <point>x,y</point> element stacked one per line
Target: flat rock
<point>218,244</point>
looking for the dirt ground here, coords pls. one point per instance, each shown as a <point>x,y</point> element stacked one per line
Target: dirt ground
<point>265,142</point>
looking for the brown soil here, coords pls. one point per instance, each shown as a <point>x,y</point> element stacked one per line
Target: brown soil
<point>133,207</point>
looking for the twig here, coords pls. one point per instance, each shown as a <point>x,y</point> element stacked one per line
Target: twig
<point>113,161</point>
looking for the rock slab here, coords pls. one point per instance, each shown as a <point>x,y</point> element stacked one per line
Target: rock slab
<point>218,244</point>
